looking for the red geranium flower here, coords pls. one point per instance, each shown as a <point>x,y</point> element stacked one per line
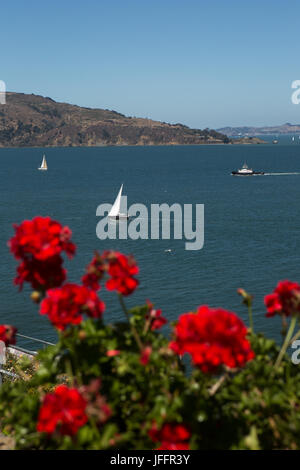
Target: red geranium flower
<point>91,280</point>
<point>62,411</point>
<point>42,275</point>
<point>121,269</point>
<point>94,272</point>
<point>213,337</point>
<point>156,318</point>
<point>171,436</point>
<point>41,238</point>
<point>65,305</point>
<point>284,300</point>
<point>8,334</point>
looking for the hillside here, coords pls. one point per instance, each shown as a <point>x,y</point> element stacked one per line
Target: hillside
<point>35,121</point>
<point>286,128</point>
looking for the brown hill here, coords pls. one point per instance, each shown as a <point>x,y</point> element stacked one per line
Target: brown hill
<point>35,121</point>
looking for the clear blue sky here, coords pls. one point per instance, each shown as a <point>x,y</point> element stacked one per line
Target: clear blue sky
<point>202,63</point>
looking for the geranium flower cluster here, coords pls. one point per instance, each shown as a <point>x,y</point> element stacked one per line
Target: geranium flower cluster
<point>285,299</point>
<point>171,436</point>
<point>66,410</point>
<point>63,411</point>
<point>38,244</point>
<point>66,305</point>
<point>41,275</point>
<point>8,334</point>
<point>213,338</point>
<point>119,267</point>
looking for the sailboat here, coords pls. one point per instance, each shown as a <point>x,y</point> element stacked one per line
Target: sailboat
<point>43,164</point>
<point>115,210</point>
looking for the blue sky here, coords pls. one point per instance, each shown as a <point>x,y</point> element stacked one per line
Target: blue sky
<point>202,63</point>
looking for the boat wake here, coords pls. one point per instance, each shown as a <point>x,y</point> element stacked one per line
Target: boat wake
<point>281,174</point>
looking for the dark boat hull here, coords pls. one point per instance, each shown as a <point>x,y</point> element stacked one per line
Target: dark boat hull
<point>117,217</point>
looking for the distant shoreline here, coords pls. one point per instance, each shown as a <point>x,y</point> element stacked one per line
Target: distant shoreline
<point>250,131</point>
<point>133,146</point>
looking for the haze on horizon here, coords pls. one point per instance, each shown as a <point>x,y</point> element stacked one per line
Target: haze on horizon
<point>204,65</point>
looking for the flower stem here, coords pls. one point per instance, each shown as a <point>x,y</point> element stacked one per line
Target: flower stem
<point>296,336</point>
<point>69,371</point>
<point>217,385</point>
<point>284,325</point>
<point>133,329</point>
<point>247,300</point>
<point>286,341</point>
<point>250,317</point>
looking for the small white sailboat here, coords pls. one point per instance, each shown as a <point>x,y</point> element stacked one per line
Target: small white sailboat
<point>115,210</point>
<point>43,164</point>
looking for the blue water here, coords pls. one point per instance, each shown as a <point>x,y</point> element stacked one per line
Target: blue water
<point>252,225</point>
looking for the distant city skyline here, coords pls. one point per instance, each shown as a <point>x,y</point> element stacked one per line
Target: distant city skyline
<point>202,64</point>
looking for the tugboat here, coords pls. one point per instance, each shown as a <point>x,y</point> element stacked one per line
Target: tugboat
<point>245,171</point>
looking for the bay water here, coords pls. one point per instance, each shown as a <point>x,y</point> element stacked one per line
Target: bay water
<point>252,224</point>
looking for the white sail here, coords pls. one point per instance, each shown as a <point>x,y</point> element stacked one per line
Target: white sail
<point>115,210</point>
<point>44,164</point>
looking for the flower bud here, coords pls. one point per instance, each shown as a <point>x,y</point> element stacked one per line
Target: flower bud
<point>247,298</point>
<point>36,296</point>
